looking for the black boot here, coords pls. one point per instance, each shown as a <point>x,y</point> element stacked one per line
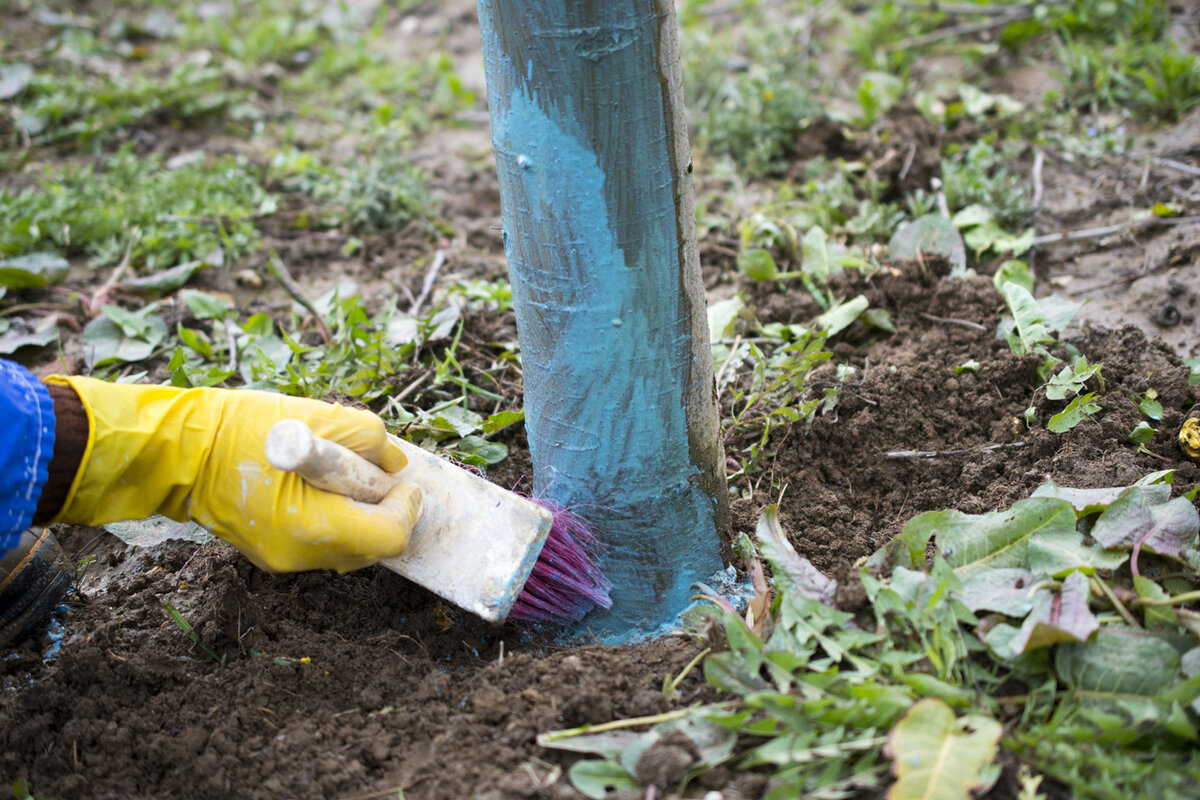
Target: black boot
<point>34,576</point>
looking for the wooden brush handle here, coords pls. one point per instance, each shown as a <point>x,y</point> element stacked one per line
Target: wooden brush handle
<point>292,447</point>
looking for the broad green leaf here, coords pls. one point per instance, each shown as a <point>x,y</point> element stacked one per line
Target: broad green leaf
<point>931,234</point>
<point>1013,272</point>
<point>714,743</point>
<point>758,264</point>
<point>841,316</point>
<point>33,271</point>
<point>14,78</point>
<point>20,332</point>
<point>477,451</point>
<point>1030,331</point>
<point>1193,364</point>
<point>926,685</point>
<point>1148,404</point>
<point>970,365</point>
<point>1063,617</point>
<point>938,757</point>
<point>608,745</point>
<point>501,420</point>
<point>1089,501</point>
<point>973,215</point>
<point>106,342</point>
<point>793,573</point>
<point>817,260</point>
<point>1070,380</point>
<point>1141,433</point>
<point>1142,515</point>
<point>597,779</point>
<point>723,316</point>
<point>878,318</point>
<point>1118,661</point>
<point>1058,552</point>
<point>1156,616</point>
<point>205,305</point>
<point>997,539</point>
<point>1076,412</point>
<point>1006,590</point>
<point>166,280</point>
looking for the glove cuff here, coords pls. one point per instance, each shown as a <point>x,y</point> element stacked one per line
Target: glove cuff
<point>71,429</point>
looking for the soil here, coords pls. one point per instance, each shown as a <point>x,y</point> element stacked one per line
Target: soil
<point>364,686</point>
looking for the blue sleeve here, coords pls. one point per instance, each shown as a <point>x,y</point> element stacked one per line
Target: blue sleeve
<point>26,445</point>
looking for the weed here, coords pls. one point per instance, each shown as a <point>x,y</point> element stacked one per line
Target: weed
<point>181,211</point>
<point>828,701</point>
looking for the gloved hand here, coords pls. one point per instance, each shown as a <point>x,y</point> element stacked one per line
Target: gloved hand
<point>198,454</point>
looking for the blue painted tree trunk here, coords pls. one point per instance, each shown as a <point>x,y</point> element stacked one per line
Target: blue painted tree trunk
<point>599,229</point>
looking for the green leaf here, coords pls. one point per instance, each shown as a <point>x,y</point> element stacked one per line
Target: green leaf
<point>166,280</point>
<point>841,316</point>
<point>1030,331</point>
<point>1141,514</point>
<point>1070,380</point>
<point>970,365</point>
<point>477,451</point>
<point>205,305</point>
<point>1076,412</point>
<point>501,420</point>
<point>1141,433</point>
<point>758,264</point>
<point>13,79</point>
<point>107,342</point>
<point>723,316</point>
<point>931,234</point>
<point>817,260</point>
<point>596,779</point>
<point>938,757</point>
<point>20,332</point>
<point>1085,501</point>
<point>1193,364</point>
<point>1005,590</point>
<point>1119,661</point>
<point>973,215</point>
<point>1058,552</point>
<point>33,271</point>
<point>1013,272</point>
<point>1148,404</point>
<point>1063,617</point>
<point>970,542</point>
<point>793,573</point>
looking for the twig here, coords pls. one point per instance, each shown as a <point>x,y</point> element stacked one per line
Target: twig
<point>966,323</point>
<point>1107,591</point>
<point>279,272</point>
<point>943,204</point>
<point>721,374</point>
<point>967,10</point>
<point>896,455</point>
<point>1171,163</point>
<point>439,258</point>
<point>956,31</point>
<point>1039,160</point>
<point>1109,230</point>
<point>412,387</point>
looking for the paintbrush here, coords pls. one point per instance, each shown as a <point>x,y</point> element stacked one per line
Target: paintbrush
<point>490,551</point>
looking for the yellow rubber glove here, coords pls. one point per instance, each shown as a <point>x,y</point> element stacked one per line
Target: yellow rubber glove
<point>198,454</point>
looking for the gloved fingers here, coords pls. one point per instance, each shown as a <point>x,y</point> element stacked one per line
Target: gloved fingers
<point>356,534</point>
<point>354,428</point>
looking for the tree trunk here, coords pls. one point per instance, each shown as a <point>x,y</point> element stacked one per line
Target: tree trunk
<point>599,229</point>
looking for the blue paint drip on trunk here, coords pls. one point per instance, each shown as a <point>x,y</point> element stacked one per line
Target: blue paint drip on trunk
<point>590,198</point>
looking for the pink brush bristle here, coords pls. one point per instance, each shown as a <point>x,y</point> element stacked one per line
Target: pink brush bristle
<point>566,583</point>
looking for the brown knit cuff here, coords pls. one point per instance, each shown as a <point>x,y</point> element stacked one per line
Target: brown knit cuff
<point>70,441</point>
